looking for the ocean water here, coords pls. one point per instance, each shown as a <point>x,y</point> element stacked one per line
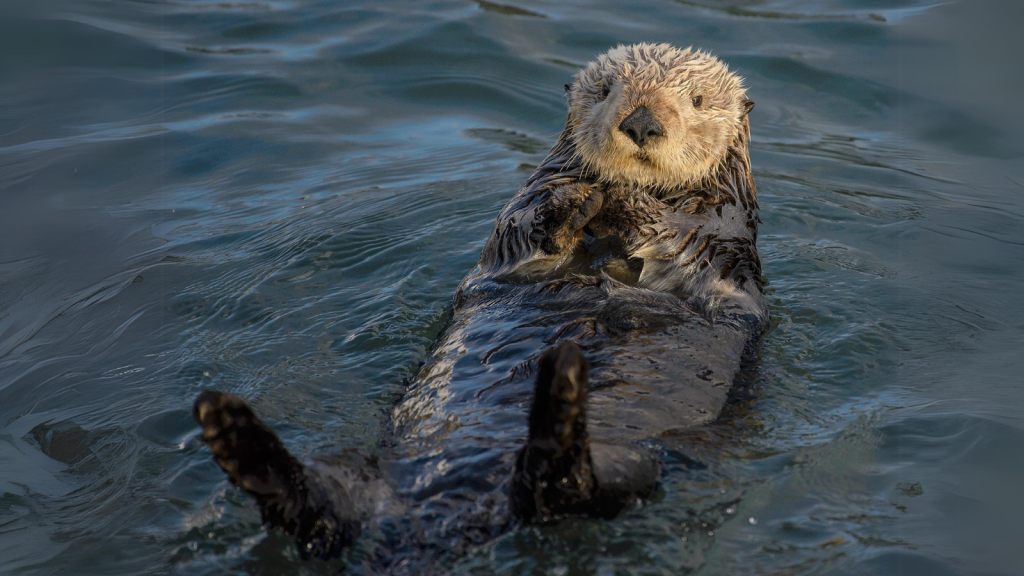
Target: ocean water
<point>277,198</point>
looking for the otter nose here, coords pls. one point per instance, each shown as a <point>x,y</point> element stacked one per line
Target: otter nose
<point>641,126</point>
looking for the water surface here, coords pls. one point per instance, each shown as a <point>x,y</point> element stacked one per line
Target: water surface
<point>278,199</point>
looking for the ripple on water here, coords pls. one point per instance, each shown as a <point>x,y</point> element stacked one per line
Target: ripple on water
<point>278,199</point>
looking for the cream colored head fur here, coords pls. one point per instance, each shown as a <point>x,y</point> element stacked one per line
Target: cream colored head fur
<point>696,133</point>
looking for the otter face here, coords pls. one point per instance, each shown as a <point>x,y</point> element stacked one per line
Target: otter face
<point>655,116</point>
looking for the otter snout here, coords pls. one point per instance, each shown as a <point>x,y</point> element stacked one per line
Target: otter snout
<point>641,126</point>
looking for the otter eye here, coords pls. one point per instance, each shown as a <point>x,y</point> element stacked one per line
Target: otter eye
<point>697,100</point>
<point>605,90</point>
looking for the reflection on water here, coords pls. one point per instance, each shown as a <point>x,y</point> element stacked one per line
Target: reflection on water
<point>278,199</point>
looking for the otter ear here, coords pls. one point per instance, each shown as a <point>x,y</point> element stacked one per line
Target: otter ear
<point>748,105</point>
<point>568,87</point>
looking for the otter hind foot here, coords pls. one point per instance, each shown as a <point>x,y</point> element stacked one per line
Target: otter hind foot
<point>558,472</point>
<point>249,452</point>
<point>307,505</point>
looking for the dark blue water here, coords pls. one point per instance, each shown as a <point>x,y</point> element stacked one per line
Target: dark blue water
<point>278,198</point>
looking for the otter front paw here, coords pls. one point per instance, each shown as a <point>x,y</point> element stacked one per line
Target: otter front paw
<point>569,209</point>
<point>586,211</point>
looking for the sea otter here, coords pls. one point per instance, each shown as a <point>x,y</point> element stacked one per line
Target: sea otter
<point>611,305</point>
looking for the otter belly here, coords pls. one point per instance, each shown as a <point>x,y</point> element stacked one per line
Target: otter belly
<point>657,367</point>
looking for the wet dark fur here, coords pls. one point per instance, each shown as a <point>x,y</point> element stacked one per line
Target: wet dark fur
<point>313,508</point>
<point>636,279</point>
<point>558,471</point>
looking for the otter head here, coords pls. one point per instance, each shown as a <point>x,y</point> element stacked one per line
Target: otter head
<point>655,116</point>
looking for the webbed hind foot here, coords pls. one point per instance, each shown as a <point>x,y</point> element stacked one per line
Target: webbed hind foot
<point>558,471</point>
<point>553,475</point>
<point>312,508</point>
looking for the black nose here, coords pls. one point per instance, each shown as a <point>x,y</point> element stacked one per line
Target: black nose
<point>641,126</point>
